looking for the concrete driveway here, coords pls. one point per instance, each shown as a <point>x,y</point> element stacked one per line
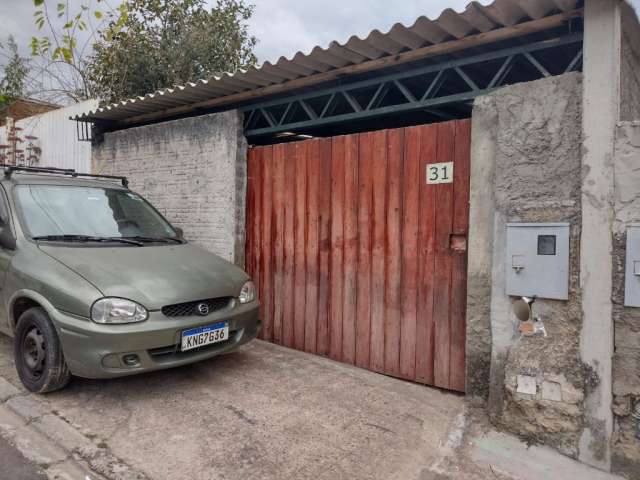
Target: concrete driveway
<point>264,412</point>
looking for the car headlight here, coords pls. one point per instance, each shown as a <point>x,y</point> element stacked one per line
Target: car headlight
<point>247,293</point>
<point>117,310</point>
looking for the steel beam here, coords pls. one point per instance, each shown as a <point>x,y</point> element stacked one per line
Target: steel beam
<point>440,89</point>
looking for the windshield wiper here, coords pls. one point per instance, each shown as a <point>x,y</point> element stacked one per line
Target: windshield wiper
<point>155,239</point>
<point>86,238</point>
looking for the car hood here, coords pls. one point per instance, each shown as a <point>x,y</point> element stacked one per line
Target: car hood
<point>153,276</point>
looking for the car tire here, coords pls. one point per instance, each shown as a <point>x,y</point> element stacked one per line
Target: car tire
<point>38,355</point>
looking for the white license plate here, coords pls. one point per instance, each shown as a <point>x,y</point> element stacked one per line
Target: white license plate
<point>201,336</point>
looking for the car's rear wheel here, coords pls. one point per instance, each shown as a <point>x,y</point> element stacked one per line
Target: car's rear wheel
<point>39,359</point>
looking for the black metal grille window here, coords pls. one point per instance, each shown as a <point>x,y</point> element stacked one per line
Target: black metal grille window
<point>190,308</point>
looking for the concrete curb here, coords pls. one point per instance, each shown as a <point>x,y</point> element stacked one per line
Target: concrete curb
<point>52,443</point>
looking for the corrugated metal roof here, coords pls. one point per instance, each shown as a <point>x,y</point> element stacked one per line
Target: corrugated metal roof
<point>450,25</point>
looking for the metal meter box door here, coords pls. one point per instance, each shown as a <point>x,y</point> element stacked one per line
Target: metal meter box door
<point>538,260</point>
<point>632,268</point>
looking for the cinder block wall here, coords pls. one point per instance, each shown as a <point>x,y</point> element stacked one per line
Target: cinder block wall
<point>526,167</point>
<point>193,170</point>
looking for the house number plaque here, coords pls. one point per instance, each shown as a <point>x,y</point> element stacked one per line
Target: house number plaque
<point>439,173</point>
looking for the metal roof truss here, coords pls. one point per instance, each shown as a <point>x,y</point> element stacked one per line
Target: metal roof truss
<point>430,89</point>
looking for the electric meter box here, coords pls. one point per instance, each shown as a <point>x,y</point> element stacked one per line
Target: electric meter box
<point>537,262</point>
<point>632,268</point>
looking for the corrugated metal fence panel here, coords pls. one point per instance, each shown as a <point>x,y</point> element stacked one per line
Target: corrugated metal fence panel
<point>357,257</point>
<point>57,137</point>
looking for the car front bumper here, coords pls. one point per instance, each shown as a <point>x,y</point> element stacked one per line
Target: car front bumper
<point>98,351</point>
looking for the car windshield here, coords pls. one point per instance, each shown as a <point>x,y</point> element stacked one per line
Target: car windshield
<point>58,210</point>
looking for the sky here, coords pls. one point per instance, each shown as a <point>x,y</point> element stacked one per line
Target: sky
<point>282,26</point>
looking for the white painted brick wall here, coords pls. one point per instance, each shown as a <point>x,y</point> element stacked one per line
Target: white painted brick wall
<point>192,170</point>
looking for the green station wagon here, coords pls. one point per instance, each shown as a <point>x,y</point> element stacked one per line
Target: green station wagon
<point>96,283</point>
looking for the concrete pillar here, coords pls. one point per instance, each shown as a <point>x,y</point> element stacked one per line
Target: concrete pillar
<point>600,115</point>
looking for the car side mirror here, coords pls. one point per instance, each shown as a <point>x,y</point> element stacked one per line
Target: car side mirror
<point>7,240</point>
<point>179,232</point>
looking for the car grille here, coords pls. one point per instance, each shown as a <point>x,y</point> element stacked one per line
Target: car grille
<point>189,308</point>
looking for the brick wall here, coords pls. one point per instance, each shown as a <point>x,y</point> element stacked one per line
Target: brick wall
<point>192,170</point>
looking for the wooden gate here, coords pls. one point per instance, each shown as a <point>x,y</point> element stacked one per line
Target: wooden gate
<point>359,255</point>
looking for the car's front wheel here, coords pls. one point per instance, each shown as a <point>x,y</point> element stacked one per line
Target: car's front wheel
<point>38,355</point>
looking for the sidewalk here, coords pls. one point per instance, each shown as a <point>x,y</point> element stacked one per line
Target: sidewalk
<point>483,453</point>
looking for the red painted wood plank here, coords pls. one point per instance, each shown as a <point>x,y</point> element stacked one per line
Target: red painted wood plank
<point>250,212</point>
<point>378,228</point>
<point>411,190</point>
<point>277,225</point>
<point>324,246</point>
<point>300,244</point>
<point>443,261</point>
<point>365,189</point>
<point>289,246</point>
<point>393,254</point>
<point>337,247</point>
<point>256,227</point>
<point>312,270</point>
<point>462,157</point>
<point>461,173</point>
<point>350,256</point>
<point>426,259</point>
<point>266,278</point>
<point>257,231</point>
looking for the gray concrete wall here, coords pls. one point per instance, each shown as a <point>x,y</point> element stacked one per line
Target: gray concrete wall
<point>630,66</point>
<point>626,361</point>
<point>193,170</point>
<point>526,153</point>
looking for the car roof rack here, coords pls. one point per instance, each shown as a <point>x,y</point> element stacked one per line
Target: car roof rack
<point>9,169</point>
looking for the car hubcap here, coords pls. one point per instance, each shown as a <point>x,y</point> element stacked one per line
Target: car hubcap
<point>33,352</point>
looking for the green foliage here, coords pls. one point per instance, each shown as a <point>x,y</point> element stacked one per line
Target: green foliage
<point>154,44</point>
<point>65,38</point>
<point>61,48</point>
<point>14,77</point>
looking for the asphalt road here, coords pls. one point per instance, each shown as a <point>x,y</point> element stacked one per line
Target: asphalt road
<point>14,466</point>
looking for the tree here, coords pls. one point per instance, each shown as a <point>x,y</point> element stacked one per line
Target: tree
<point>14,77</point>
<point>61,52</point>
<point>162,43</point>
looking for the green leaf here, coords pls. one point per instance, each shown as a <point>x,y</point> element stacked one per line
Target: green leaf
<point>37,3</point>
<point>45,45</point>
<point>34,46</point>
<point>98,14</point>
<point>61,7</point>
<point>67,26</point>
